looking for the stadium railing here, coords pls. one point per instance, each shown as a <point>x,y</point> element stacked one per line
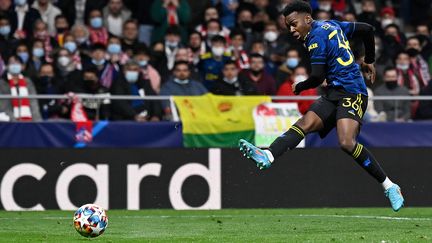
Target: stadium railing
<point>175,115</point>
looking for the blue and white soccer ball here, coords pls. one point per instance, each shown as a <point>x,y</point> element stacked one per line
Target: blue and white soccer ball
<point>90,220</point>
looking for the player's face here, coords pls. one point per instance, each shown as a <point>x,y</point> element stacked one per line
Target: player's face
<point>299,24</point>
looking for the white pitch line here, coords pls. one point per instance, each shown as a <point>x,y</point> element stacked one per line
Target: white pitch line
<point>246,215</point>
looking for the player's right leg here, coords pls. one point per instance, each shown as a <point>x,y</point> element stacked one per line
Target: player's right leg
<point>310,122</point>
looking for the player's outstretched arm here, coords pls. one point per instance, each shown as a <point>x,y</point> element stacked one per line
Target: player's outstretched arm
<point>316,78</point>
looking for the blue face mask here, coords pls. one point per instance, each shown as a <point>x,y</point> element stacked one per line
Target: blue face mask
<point>114,48</point>
<point>38,52</point>
<point>5,30</point>
<point>14,68</point>
<point>96,22</point>
<point>24,56</point>
<point>98,63</point>
<point>292,62</point>
<point>70,46</point>
<point>143,63</point>
<point>131,76</point>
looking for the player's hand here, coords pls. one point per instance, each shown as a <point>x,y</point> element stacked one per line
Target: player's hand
<point>370,71</point>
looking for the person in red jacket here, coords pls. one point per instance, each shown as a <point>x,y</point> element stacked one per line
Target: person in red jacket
<point>299,75</point>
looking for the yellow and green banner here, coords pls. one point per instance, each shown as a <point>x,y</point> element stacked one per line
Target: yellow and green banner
<point>217,121</point>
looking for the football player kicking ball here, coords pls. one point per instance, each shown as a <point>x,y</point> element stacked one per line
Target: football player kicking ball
<point>345,100</point>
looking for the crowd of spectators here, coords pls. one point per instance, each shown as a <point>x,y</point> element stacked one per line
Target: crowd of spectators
<point>189,47</point>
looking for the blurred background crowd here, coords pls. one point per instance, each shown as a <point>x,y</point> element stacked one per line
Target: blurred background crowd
<point>190,47</point>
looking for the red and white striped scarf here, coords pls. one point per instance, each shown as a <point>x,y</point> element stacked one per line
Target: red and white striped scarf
<point>414,83</point>
<point>21,107</point>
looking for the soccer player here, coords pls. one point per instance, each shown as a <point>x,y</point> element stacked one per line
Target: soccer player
<point>345,101</point>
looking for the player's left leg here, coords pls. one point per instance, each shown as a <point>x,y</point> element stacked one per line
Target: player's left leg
<point>347,131</point>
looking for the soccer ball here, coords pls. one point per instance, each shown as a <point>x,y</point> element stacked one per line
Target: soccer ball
<point>90,220</point>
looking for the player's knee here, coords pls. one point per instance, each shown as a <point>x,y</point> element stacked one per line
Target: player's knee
<point>347,144</point>
<point>306,125</point>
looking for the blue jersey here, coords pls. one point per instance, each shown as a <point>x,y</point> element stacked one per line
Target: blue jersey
<point>328,44</point>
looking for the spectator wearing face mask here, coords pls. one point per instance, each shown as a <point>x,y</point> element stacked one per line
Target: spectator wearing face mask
<point>107,69</point>
<point>184,54</point>
<point>37,58</point>
<point>61,29</point>
<point>65,71</point>
<point>406,75</point>
<point>244,23</point>
<point>172,44</point>
<point>115,51</point>
<point>166,13</point>
<point>211,14</point>
<point>89,84</point>
<point>148,72</point>
<point>263,82</point>
<point>22,19</point>
<point>369,15</point>
<point>275,45</point>
<point>388,16</point>
<point>78,57</point>
<point>230,84</point>
<point>41,33</point>
<point>133,83</point>
<point>238,53</point>
<point>286,69</point>
<point>16,84</point>
<point>180,84</point>
<point>7,42</point>
<point>22,51</point>
<point>211,63</point>
<point>299,75</point>
<point>395,111</point>
<point>213,28</point>
<point>98,33</point>
<point>78,11</point>
<point>418,63</point>
<point>48,13</point>
<point>47,84</point>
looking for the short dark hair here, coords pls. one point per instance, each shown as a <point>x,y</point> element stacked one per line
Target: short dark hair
<point>180,63</point>
<point>230,62</point>
<point>236,32</point>
<point>60,16</point>
<point>297,6</point>
<point>389,68</point>
<point>91,69</point>
<point>98,46</point>
<point>218,38</point>
<point>256,55</point>
<point>173,30</point>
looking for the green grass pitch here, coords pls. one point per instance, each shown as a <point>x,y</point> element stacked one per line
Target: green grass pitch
<point>252,225</point>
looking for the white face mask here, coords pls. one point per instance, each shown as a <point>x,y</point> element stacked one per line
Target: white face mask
<point>325,6</point>
<point>386,22</point>
<point>181,81</point>
<point>230,81</point>
<point>218,51</point>
<point>402,67</point>
<point>271,36</point>
<point>64,61</point>
<point>300,78</point>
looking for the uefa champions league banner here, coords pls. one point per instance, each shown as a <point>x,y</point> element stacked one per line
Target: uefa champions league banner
<point>90,134</point>
<point>40,179</point>
<point>272,120</point>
